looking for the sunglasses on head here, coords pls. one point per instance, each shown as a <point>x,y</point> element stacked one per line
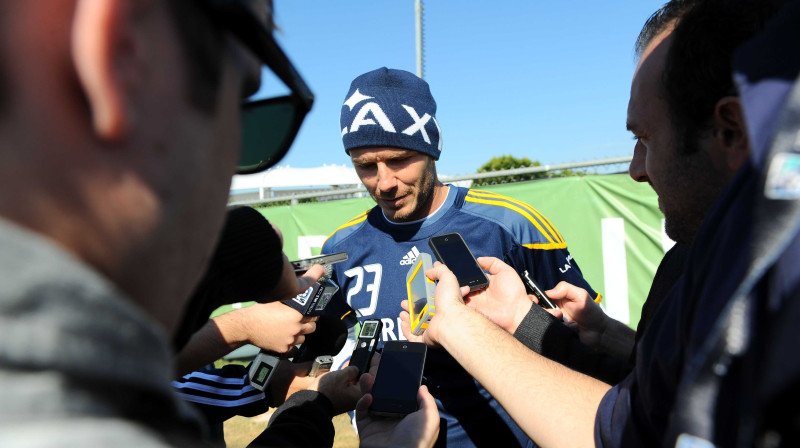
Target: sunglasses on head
<point>269,125</point>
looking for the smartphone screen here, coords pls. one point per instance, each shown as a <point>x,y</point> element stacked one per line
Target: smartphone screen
<point>451,250</point>
<point>399,378</point>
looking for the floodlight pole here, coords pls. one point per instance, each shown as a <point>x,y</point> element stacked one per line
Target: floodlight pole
<point>420,40</point>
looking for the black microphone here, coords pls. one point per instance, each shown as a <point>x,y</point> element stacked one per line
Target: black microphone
<point>327,340</point>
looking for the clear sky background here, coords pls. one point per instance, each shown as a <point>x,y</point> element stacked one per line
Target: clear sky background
<point>547,80</point>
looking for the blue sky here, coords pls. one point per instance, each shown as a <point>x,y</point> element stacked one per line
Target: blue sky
<point>547,80</point>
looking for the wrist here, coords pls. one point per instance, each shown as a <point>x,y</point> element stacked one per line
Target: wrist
<point>453,321</point>
<point>233,328</point>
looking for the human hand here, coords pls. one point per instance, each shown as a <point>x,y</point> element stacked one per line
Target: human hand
<point>272,326</point>
<point>417,429</point>
<point>341,387</point>
<point>580,311</point>
<point>505,301</point>
<point>289,377</point>
<point>290,284</point>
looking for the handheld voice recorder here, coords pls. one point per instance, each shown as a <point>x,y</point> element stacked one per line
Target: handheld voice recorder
<point>365,344</point>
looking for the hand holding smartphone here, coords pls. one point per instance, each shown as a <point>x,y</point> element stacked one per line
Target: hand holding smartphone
<point>452,250</point>
<point>399,376</point>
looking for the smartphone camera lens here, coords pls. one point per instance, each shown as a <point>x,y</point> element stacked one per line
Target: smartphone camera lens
<point>405,346</point>
<point>447,239</point>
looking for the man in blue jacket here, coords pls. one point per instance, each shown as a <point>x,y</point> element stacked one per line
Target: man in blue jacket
<point>391,132</point>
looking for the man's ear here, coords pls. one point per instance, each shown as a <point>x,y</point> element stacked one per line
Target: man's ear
<point>730,130</point>
<point>104,53</point>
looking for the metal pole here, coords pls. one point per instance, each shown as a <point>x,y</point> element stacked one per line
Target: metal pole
<point>420,40</point>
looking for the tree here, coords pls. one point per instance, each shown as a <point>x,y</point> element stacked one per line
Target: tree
<point>509,162</point>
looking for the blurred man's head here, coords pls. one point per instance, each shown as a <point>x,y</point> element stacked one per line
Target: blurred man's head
<point>120,133</point>
<point>684,111</point>
<point>390,131</point>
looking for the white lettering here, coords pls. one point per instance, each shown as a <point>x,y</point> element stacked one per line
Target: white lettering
<point>400,331</point>
<point>419,124</point>
<point>440,133</point>
<point>388,330</point>
<point>373,287</point>
<point>356,98</point>
<point>362,120</point>
<point>358,273</point>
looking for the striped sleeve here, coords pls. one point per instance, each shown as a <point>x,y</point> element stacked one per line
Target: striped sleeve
<point>527,223</point>
<point>221,393</point>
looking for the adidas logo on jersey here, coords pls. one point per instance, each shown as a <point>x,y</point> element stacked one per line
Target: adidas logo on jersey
<point>410,257</point>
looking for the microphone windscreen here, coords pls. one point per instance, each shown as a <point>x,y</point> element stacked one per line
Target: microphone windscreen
<point>328,339</point>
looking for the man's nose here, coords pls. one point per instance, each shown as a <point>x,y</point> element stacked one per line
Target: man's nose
<point>638,163</point>
<point>386,178</point>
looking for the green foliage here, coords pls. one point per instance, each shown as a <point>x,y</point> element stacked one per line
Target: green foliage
<point>509,162</point>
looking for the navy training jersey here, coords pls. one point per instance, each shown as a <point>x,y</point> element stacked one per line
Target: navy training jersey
<point>372,281</point>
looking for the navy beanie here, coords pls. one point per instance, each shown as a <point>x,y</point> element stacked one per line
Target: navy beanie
<point>388,107</point>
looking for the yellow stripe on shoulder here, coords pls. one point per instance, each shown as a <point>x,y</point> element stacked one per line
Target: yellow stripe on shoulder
<point>546,246</point>
<point>359,218</point>
<point>540,222</point>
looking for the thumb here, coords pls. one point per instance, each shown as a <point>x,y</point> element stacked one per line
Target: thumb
<point>362,407</point>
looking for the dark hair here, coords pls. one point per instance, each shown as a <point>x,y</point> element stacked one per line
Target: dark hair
<point>698,67</point>
<point>658,22</point>
<point>203,44</point>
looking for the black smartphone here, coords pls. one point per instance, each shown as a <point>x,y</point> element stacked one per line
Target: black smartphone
<point>365,344</point>
<point>451,250</point>
<point>301,266</point>
<point>534,287</point>
<point>399,377</point>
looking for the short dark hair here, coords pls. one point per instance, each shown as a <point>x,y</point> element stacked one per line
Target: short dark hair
<point>203,45</point>
<point>658,22</point>
<point>698,67</point>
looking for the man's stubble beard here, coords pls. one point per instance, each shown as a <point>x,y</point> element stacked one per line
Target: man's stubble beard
<point>424,197</point>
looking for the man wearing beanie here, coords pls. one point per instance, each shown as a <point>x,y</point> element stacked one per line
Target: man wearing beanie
<point>390,130</point>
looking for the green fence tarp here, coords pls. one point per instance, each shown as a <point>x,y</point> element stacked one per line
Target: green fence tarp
<point>612,226</point>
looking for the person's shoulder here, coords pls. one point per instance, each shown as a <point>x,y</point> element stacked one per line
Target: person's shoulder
<point>347,229</point>
<point>525,223</point>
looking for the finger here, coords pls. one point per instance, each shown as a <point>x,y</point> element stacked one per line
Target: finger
<point>366,382</point>
<point>405,324</point>
<point>493,265</point>
<point>308,327</point>
<point>440,273</point>
<point>299,339</point>
<point>425,400</point>
<point>556,312</point>
<point>404,305</point>
<point>373,365</point>
<point>362,407</point>
<point>464,291</point>
<point>349,374</point>
<point>564,290</point>
<point>311,276</point>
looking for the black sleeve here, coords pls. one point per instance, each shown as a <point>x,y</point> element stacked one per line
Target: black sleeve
<point>246,265</point>
<point>543,333</point>
<point>304,420</point>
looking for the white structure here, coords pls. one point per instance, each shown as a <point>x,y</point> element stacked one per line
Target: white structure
<point>285,180</point>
